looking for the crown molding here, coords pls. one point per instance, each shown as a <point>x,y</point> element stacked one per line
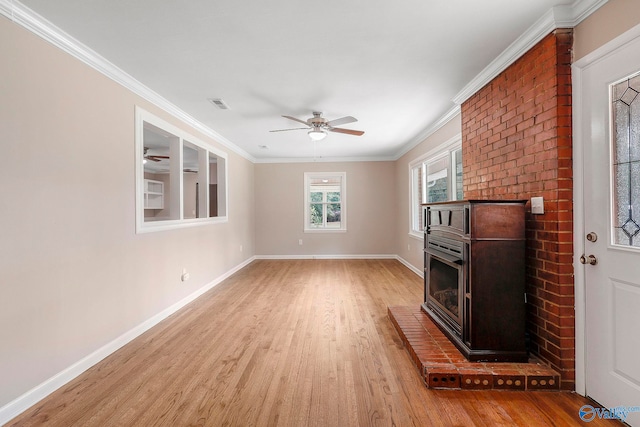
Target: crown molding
<point>322,159</point>
<point>428,131</point>
<point>568,16</point>
<point>564,16</point>
<point>25,17</point>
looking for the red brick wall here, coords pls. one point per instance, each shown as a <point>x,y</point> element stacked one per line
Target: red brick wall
<point>516,144</point>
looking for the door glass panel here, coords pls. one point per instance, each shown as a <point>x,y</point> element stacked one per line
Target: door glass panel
<point>626,161</point>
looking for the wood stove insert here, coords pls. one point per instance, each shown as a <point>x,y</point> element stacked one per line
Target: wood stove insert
<point>474,262</point>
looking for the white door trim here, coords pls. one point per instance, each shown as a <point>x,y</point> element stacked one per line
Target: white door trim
<point>578,194</point>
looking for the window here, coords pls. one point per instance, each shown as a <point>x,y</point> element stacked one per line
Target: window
<point>180,180</point>
<point>435,177</point>
<point>325,207</point>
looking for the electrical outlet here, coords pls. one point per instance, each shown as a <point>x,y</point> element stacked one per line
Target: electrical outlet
<point>408,247</point>
<point>300,242</point>
<point>240,248</point>
<point>185,276</point>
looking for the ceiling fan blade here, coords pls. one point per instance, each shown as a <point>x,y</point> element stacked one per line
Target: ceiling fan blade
<point>347,131</point>
<point>284,130</point>
<point>342,121</point>
<point>156,158</point>
<point>296,120</point>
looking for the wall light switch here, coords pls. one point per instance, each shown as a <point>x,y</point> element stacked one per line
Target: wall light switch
<point>537,205</point>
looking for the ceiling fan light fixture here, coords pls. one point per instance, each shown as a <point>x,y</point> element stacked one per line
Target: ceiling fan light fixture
<point>317,134</point>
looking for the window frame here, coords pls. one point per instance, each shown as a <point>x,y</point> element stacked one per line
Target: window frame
<point>308,177</point>
<point>446,149</point>
<point>182,138</point>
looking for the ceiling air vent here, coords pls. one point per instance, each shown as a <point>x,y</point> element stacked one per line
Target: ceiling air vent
<point>219,103</point>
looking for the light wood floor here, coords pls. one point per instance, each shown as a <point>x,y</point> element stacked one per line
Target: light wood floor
<point>289,343</point>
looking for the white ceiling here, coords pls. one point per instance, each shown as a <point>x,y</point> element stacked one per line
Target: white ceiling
<point>394,65</point>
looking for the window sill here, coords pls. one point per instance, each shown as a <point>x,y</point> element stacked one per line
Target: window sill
<point>153,226</point>
<point>417,236</point>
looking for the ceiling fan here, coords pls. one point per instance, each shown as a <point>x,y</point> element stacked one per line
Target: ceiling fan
<point>153,158</point>
<point>318,126</point>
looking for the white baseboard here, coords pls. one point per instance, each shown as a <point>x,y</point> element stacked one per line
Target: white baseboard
<point>33,396</point>
<point>418,271</point>
<point>342,256</point>
<point>406,263</point>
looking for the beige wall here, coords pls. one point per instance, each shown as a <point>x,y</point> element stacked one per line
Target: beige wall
<point>74,275</point>
<point>611,20</point>
<point>378,206</point>
<point>409,247</point>
<point>371,210</point>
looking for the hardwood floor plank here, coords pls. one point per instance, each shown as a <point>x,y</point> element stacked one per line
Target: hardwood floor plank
<point>287,343</point>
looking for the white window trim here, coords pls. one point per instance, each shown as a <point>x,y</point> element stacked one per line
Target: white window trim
<point>343,202</point>
<point>143,226</point>
<point>446,148</point>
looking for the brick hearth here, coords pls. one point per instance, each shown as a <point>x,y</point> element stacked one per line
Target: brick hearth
<point>443,366</point>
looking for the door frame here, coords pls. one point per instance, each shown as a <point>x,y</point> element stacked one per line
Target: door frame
<point>578,196</point>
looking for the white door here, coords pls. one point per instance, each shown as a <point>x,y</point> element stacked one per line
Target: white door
<point>609,131</point>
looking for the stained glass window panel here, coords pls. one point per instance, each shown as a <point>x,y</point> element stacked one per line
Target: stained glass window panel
<point>626,161</point>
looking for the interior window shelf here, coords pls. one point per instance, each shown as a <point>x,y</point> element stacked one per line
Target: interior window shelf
<point>153,194</point>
